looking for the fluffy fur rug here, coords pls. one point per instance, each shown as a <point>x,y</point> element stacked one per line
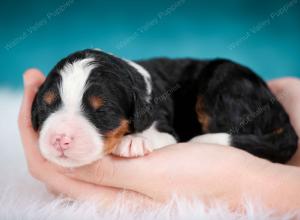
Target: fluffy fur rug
<point>21,197</point>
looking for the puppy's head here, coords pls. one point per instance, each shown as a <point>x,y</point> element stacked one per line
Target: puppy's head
<point>87,103</point>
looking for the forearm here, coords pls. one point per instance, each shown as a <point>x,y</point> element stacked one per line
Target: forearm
<point>275,185</point>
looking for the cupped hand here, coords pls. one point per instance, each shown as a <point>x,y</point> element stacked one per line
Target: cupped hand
<point>51,175</point>
<point>207,172</point>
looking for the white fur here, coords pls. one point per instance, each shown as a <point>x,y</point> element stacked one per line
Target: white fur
<point>87,145</point>
<point>217,138</point>
<point>145,74</point>
<point>157,138</point>
<point>22,197</point>
<point>140,144</point>
<point>98,49</point>
<point>73,84</point>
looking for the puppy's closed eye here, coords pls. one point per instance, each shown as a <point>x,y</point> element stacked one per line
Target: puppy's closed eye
<point>49,97</point>
<point>95,102</point>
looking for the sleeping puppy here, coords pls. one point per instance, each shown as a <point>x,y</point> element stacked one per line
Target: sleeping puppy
<point>93,103</point>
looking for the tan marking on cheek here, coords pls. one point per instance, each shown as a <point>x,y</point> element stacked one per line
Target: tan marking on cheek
<point>203,117</point>
<point>96,102</point>
<point>113,137</point>
<point>49,97</point>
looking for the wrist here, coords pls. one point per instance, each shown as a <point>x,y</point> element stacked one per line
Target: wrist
<point>249,174</point>
<point>276,186</point>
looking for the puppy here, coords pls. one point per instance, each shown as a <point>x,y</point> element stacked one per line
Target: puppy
<point>93,103</point>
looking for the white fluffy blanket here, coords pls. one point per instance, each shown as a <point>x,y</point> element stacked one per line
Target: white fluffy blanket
<point>21,197</point>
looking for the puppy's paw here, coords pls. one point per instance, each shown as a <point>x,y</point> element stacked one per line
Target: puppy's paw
<point>133,146</point>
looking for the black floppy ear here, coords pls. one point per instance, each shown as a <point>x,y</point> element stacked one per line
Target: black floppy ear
<point>34,114</point>
<point>143,112</point>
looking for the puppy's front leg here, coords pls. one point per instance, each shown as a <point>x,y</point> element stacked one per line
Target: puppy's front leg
<point>140,144</point>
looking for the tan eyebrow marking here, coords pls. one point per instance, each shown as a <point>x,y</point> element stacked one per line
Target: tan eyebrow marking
<point>49,97</point>
<point>96,102</point>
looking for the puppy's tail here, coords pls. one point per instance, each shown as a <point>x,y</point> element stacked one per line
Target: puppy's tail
<point>278,146</point>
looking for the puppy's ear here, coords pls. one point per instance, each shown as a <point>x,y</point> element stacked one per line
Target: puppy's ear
<point>143,111</point>
<point>34,114</point>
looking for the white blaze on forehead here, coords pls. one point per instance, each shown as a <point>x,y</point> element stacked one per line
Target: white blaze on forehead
<point>74,77</point>
<point>145,74</point>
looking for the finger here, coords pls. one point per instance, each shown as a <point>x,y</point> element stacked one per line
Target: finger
<point>115,172</point>
<point>32,80</point>
<point>105,196</point>
<point>277,85</point>
<point>295,160</point>
<point>78,190</point>
<point>141,174</point>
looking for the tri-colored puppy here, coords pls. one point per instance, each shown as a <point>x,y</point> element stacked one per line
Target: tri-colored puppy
<point>94,103</point>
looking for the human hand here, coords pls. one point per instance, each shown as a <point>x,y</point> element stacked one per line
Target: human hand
<point>208,172</point>
<point>51,175</point>
<point>191,170</point>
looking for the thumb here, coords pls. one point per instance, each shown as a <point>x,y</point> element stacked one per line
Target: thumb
<point>136,174</point>
<point>117,172</point>
<point>32,80</point>
<point>147,175</point>
<point>278,85</point>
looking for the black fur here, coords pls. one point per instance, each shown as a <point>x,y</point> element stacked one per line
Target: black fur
<point>41,110</point>
<point>232,96</point>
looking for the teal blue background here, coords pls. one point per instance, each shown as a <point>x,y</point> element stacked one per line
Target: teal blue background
<point>190,28</point>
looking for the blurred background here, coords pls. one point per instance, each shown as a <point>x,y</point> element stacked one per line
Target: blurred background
<point>263,35</point>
